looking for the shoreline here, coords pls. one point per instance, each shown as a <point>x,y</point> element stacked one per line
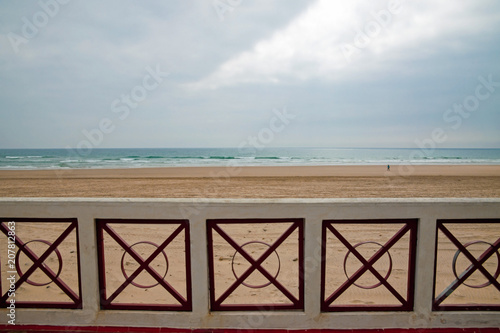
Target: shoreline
<point>482,170</point>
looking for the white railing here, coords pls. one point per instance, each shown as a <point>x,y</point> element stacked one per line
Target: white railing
<point>312,211</point>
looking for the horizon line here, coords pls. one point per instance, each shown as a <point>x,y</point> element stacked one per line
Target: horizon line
<point>251,148</point>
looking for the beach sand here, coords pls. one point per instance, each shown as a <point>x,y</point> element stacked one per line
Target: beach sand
<point>257,182</point>
<point>251,182</point>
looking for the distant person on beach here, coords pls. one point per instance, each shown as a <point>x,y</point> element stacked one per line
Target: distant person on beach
<point>388,167</point>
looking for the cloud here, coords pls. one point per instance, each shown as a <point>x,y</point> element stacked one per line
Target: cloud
<point>339,40</point>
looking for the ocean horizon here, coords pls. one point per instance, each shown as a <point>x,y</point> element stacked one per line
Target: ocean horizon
<point>117,158</point>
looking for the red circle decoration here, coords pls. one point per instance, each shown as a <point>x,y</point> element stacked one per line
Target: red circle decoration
<point>59,258</point>
<point>454,265</point>
<point>137,284</point>
<point>377,284</point>
<point>250,285</point>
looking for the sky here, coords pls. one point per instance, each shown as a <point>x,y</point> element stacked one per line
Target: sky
<point>225,73</point>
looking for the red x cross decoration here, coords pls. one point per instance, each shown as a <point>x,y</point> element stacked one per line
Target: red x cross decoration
<point>482,264</point>
<point>338,250</point>
<point>16,231</point>
<point>277,262</point>
<point>143,247</point>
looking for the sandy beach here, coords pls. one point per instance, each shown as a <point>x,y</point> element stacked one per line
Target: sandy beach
<point>246,182</point>
<point>257,182</point>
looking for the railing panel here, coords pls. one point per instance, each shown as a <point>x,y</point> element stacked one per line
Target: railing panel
<point>256,264</point>
<point>233,247</point>
<point>467,265</point>
<point>144,264</point>
<point>368,265</point>
<point>40,258</point>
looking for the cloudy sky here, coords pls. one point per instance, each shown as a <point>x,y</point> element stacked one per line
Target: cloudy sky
<point>212,73</point>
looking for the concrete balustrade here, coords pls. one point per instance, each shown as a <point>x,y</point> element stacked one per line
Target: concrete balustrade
<point>198,211</point>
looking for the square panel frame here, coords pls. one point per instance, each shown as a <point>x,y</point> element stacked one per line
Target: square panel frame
<point>186,303</point>
<point>476,265</point>
<point>407,304</point>
<point>38,261</point>
<point>216,304</point>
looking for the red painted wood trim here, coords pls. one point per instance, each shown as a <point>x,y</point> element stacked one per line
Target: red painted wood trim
<point>109,329</point>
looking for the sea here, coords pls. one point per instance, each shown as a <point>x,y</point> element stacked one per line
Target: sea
<point>33,159</point>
